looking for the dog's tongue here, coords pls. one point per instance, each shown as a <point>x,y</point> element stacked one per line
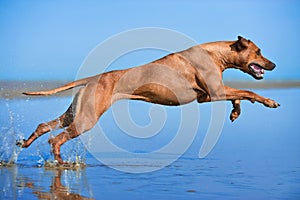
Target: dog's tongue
<point>258,69</point>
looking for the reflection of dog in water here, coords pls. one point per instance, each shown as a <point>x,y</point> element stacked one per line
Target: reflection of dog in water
<point>57,190</point>
<point>176,79</point>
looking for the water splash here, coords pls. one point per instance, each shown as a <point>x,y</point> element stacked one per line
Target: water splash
<point>8,150</point>
<point>73,154</point>
<point>67,165</point>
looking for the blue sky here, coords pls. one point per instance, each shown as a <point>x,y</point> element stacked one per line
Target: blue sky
<point>43,40</point>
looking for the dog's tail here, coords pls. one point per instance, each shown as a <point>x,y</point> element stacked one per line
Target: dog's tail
<point>68,86</point>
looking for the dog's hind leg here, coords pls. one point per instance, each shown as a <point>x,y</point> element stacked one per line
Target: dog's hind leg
<point>69,133</point>
<point>61,122</point>
<point>93,101</point>
<point>82,123</point>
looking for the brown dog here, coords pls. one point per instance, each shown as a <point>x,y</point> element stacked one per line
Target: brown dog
<point>176,79</point>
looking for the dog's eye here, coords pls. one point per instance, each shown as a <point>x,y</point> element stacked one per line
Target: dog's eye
<point>258,52</point>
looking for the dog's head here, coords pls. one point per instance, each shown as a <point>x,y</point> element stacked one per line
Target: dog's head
<point>249,59</point>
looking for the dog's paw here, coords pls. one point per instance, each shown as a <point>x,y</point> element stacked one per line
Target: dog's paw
<point>271,103</point>
<point>234,115</point>
<point>21,143</point>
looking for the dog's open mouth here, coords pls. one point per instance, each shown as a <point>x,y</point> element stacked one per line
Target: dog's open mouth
<point>257,71</point>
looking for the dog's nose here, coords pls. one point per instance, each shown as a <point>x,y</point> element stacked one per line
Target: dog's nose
<point>273,65</point>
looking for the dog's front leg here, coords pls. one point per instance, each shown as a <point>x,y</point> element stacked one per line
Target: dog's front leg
<point>235,94</point>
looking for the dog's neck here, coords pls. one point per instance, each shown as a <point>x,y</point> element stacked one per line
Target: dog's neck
<point>221,50</point>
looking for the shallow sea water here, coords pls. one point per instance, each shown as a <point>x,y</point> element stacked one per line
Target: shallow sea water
<point>256,157</point>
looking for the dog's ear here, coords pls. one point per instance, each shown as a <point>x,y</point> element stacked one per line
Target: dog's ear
<point>240,44</point>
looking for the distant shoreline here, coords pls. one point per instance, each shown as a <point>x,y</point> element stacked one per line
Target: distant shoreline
<point>14,89</point>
